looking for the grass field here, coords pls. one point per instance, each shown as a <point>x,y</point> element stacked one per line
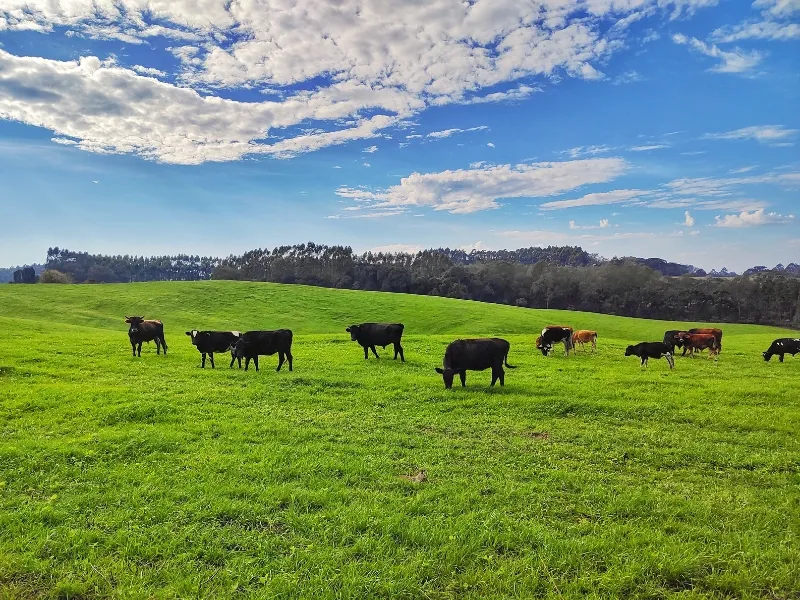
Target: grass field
<point>585,477</point>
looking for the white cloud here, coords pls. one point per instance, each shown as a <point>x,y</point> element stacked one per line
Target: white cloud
<point>581,151</point>
<point>778,8</point>
<point>148,71</point>
<point>448,132</point>
<point>479,245</point>
<point>689,220</point>
<point>370,150</point>
<point>366,164</point>
<point>766,134</point>
<point>596,199</point>
<point>337,167</point>
<point>752,219</point>
<point>490,144</point>
<point>440,52</point>
<point>765,30</point>
<point>604,224</point>
<point>734,61</point>
<point>742,170</point>
<point>627,77</point>
<point>649,147</point>
<point>397,249</point>
<point>472,190</point>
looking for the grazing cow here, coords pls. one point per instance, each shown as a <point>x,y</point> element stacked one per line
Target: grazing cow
<point>648,350</point>
<point>717,333</point>
<point>208,342</point>
<point>783,346</point>
<point>253,344</point>
<point>554,334</point>
<point>700,341</point>
<point>584,336</point>
<point>369,335</point>
<point>475,355</point>
<point>673,337</point>
<point>145,331</point>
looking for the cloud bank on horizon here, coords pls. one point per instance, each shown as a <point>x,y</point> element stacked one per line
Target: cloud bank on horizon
<point>521,111</point>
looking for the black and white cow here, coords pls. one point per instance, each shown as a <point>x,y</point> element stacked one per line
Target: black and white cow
<point>253,344</point>
<point>648,350</point>
<point>209,342</point>
<point>369,335</point>
<point>783,346</point>
<point>475,355</point>
<point>554,334</point>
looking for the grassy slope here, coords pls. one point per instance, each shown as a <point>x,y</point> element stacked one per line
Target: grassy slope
<point>151,478</point>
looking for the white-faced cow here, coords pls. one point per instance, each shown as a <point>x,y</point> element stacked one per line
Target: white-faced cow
<point>369,335</point>
<point>782,346</point>
<point>648,350</point>
<point>555,334</point>
<point>253,344</point>
<point>475,355</point>
<point>209,342</point>
<point>145,331</point>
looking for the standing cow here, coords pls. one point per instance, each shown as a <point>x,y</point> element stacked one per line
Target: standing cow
<point>369,335</point>
<point>717,333</point>
<point>699,342</point>
<point>674,338</point>
<point>782,346</point>
<point>475,355</point>
<point>584,336</point>
<point>145,331</point>
<point>253,344</point>
<point>648,350</point>
<point>208,342</point>
<point>555,334</point>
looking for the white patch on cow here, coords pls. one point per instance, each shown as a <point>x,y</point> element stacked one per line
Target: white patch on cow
<point>237,333</point>
<point>544,331</point>
<point>194,333</point>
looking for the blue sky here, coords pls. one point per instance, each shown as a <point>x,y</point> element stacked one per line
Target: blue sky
<point>629,127</point>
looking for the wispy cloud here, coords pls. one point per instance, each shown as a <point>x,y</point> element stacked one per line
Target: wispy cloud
<point>766,134</point>
<point>595,199</point>
<point>646,148</point>
<point>370,150</point>
<point>734,61</point>
<point>604,223</point>
<point>764,30</point>
<point>582,151</point>
<point>448,132</point>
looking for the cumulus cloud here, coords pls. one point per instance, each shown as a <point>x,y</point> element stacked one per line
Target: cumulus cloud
<point>319,62</point>
<point>490,144</point>
<point>733,61</point>
<point>766,134</point>
<point>752,219</point>
<point>473,190</point>
<point>689,219</point>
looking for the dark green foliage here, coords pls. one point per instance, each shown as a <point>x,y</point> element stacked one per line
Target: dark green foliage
<point>53,276</point>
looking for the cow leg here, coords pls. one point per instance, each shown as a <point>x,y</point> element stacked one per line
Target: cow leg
<point>502,376</point>
<point>374,352</point>
<point>289,357</point>
<point>158,345</point>
<point>280,360</point>
<point>670,360</point>
<point>398,349</point>
<point>133,348</point>
<point>233,358</point>
<point>211,356</point>
<point>366,352</point>
<point>780,356</point>
<point>255,362</point>
<point>644,361</point>
<point>463,376</point>
<point>494,376</point>
<point>139,349</point>
<point>203,361</point>
<point>246,363</point>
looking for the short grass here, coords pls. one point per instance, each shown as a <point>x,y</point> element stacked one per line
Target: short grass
<point>585,477</point>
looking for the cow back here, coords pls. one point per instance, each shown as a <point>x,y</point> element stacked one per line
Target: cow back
<point>476,354</point>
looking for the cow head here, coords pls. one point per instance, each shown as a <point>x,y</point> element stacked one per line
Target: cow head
<point>237,348</point>
<point>134,322</point>
<point>193,334</point>
<point>545,349</point>
<point>629,351</point>
<point>353,330</point>
<point>447,376</point>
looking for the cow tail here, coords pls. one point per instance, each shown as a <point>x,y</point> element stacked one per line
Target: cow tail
<point>505,360</point>
<point>163,340</point>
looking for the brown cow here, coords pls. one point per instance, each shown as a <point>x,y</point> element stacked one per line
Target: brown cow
<point>700,341</point>
<point>145,331</point>
<point>584,336</point>
<point>717,333</point>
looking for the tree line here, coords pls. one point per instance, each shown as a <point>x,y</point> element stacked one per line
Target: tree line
<point>563,277</point>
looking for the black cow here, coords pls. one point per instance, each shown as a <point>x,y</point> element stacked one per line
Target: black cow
<point>783,346</point>
<point>475,355</point>
<point>208,342</point>
<point>145,331</point>
<point>369,335</point>
<point>647,350</point>
<point>253,344</point>
<point>674,338</point>
<point>554,335</point>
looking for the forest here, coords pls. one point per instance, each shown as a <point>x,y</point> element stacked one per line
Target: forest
<point>555,277</point>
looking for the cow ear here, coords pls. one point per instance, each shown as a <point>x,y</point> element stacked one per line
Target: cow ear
<point>188,333</point>
<point>347,330</point>
<point>439,371</point>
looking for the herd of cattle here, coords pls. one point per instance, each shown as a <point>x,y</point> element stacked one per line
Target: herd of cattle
<point>459,357</point>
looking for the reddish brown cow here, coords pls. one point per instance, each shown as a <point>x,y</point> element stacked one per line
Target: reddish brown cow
<point>700,341</point>
<point>584,336</point>
<point>717,333</point>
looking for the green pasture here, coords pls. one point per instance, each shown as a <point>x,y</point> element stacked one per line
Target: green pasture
<point>584,477</point>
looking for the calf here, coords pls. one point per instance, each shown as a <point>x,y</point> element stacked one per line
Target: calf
<point>253,344</point>
<point>584,336</point>
<point>208,342</point>
<point>145,331</point>
<point>700,341</point>
<point>782,346</point>
<point>369,335</point>
<point>717,333</point>
<point>648,350</point>
<point>554,334</point>
<point>475,355</point>
<point>673,338</point>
